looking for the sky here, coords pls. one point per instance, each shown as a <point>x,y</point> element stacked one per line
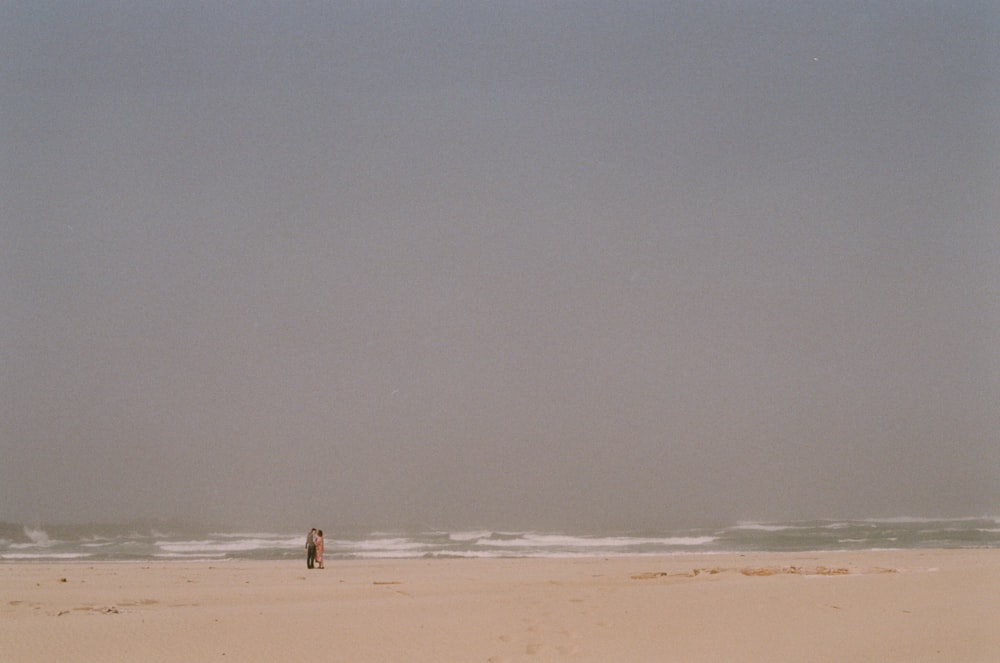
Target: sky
<point>554,265</point>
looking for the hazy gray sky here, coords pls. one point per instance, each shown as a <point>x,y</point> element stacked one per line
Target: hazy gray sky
<point>532,264</point>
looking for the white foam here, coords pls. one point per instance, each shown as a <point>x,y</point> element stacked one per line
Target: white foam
<point>561,541</point>
<point>385,545</point>
<point>37,536</point>
<point>762,527</point>
<point>204,546</point>
<point>470,536</point>
<point>41,556</point>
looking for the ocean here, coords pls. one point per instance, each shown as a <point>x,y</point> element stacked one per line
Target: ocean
<point>25,543</point>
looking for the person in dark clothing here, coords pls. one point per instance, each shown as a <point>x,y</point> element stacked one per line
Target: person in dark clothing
<point>311,549</point>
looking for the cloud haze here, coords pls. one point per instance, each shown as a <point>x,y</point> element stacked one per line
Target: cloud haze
<point>525,264</point>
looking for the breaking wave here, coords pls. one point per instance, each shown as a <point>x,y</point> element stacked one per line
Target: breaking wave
<point>129,542</point>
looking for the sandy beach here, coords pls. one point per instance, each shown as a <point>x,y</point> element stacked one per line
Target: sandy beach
<point>919,605</point>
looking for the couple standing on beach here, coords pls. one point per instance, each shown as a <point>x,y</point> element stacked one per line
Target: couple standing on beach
<point>314,549</point>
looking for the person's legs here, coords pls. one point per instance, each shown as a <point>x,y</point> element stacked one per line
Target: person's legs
<point>311,557</point>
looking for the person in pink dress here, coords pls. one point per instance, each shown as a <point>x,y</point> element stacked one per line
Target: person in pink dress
<point>319,549</point>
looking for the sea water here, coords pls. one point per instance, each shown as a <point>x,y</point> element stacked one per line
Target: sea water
<point>178,542</point>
